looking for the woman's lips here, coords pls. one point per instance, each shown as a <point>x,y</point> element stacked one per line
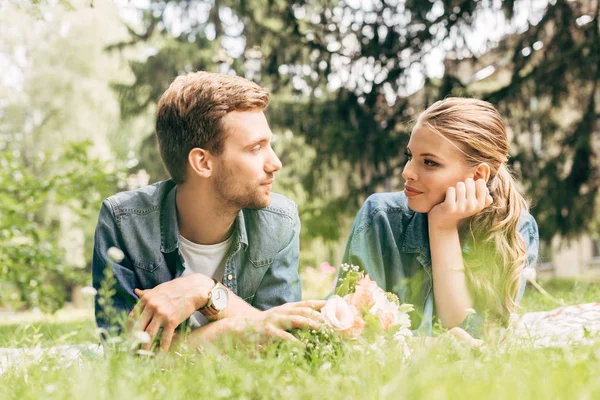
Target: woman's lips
<point>410,192</point>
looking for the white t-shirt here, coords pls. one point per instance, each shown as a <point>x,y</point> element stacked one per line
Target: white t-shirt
<point>208,260</point>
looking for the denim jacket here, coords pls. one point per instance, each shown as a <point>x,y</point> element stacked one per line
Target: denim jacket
<point>390,242</point>
<point>261,268</point>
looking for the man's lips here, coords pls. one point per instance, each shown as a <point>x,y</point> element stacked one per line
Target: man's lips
<point>410,192</point>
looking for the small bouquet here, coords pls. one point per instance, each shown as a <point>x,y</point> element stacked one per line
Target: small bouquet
<point>361,308</point>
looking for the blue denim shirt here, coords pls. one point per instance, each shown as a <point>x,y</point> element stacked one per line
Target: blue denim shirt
<point>261,268</point>
<point>390,242</point>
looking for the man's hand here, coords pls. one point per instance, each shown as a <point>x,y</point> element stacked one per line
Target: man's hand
<point>168,305</point>
<point>463,201</point>
<point>273,323</point>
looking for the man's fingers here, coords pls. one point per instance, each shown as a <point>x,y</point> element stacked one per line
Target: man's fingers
<point>314,304</point>
<point>296,321</point>
<point>303,311</point>
<point>141,304</point>
<point>167,338</point>
<point>152,330</point>
<point>281,334</point>
<point>144,319</point>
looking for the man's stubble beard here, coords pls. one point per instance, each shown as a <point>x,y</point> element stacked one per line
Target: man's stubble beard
<point>235,197</point>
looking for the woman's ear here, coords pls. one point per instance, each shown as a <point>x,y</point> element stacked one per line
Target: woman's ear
<point>482,171</point>
<point>199,162</point>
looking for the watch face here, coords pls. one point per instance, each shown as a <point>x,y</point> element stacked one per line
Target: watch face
<point>220,298</point>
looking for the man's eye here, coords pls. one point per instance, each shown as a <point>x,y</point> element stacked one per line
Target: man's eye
<point>256,149</point>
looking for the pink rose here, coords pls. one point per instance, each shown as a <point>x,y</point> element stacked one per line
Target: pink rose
<point>343,317</point>
<point>361,297</point>
<point>368,284</point>
<point>387,319</point>
<point>326,268</point>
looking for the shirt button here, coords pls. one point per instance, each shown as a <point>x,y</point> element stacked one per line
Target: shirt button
<point>229,277</point>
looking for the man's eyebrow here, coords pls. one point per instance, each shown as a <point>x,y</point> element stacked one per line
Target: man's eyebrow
<point>258,141</point>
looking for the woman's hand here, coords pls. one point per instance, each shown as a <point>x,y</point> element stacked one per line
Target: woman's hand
<point>463,201</point>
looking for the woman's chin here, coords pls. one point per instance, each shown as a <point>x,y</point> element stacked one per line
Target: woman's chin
<point>417,207</point>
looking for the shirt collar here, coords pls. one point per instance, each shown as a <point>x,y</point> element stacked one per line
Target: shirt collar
<point>169,228</point>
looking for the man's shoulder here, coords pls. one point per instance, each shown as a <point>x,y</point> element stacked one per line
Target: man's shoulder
<point>142,200</point>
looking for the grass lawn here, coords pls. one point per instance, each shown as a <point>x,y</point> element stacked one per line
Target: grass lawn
<point>357,372</point>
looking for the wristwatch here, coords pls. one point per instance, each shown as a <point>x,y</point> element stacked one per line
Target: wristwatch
<point>218,298</point>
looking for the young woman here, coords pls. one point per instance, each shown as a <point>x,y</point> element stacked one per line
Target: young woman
<point>454,243</point>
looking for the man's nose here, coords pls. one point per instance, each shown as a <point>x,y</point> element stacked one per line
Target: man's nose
<point>273,163</point>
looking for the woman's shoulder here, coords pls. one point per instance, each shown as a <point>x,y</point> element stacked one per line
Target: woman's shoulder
<point>388,208</point>
<point>392,202</point>
<point>527,225</point>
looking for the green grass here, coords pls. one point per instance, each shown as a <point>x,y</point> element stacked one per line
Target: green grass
<point>284,372</point>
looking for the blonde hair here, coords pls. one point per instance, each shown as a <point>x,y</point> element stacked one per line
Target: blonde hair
<point>494,267</point>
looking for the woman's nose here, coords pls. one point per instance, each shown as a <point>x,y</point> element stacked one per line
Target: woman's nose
<point>408,172</point>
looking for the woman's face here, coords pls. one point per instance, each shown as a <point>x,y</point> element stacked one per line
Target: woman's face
<point>434,164</point>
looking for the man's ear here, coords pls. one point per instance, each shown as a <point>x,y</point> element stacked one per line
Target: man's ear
<point>200,162</point>
<point>482,171</point>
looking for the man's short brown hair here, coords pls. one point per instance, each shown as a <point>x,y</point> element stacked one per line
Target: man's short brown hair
<point>190,111</point>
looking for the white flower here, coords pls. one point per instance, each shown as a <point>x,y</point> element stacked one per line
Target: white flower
<point>338,314</point>
<point>114,340</point>
<point>51,388</point>
<point>115,255</point>
<point>145,353</point>
<point>88,291</point>
<point>142,337</point>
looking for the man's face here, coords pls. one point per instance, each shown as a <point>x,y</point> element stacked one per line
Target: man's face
<point>245,170</point>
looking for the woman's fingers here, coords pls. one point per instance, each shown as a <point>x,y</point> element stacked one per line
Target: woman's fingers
<point>470,194</point>
<point>451,198</point>
<point>461,194</point>
<point>482,192</point>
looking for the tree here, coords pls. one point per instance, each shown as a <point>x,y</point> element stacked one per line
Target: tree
<point>59,124</point>
<point>343,73</point>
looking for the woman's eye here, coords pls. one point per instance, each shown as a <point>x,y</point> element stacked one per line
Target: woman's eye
<point>431,163</point>
<point>407,154</point>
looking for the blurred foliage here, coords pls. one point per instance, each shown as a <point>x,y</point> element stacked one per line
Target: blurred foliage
<point>61,149</point>
<point>344,75</point>
<point>34,195</point>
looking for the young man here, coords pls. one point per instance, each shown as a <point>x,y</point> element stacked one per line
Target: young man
<point>212,246</point>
